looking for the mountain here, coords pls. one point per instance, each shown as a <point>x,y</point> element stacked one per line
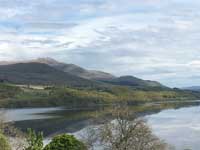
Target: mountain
<point>134,82</point>
<point>39,73</point>
<point>192,88</point>
<point>76,70</point>
<point>69,68</point>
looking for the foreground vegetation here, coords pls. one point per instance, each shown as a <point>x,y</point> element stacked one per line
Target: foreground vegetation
<point>4,143</point>
<point>12,96</point>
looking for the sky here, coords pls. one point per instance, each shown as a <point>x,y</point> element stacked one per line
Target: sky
<point>151,39</point>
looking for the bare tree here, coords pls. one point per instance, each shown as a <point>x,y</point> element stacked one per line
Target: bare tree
<point>90,137</point>
<point>125,132</point>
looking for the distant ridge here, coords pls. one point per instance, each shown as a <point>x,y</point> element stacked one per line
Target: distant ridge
<point>192,88</point>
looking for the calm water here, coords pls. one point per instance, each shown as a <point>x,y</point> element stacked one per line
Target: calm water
<point>26,114</point>
<point>178,127</point>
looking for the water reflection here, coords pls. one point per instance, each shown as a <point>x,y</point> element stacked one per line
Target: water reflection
<point>179,127</point>
<point>62,120</point>
<point>27,113</point>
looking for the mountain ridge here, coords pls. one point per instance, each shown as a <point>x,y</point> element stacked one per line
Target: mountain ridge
<point>135,82</point>
<point>68,68</point>
<point>192,88</point>
<point>38,73</point>
<point>88,75</point>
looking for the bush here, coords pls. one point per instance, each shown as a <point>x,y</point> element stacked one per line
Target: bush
<point>34,140</point>
<point>4,145</point>
<point>65,142</point>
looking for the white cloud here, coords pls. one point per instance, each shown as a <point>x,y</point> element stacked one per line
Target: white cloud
<point>150,38</point>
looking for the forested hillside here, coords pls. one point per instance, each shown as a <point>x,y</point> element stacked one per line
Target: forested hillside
<point>12,96</point>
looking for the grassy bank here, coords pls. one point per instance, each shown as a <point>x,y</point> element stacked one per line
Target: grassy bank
<point>12,96</point>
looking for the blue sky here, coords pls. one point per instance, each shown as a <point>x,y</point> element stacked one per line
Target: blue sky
<point>152,39</point>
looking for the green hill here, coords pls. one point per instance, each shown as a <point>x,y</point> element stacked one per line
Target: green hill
<point>68,68</point>
<point>136,83</point>
<point>72,71</point>
<point>40,74</point>
<point>61,88</point>
<point>75,69</point>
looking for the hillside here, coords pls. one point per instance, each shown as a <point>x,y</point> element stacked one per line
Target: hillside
<point>192,88</point>
<point>75,70</point>
<point>12,96</point>
<point>135,83</point>
<point>68,68</point>
<point>108,78</point>
<point>76,92</point>
<point>38,73</point>
<point>101,76</point>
